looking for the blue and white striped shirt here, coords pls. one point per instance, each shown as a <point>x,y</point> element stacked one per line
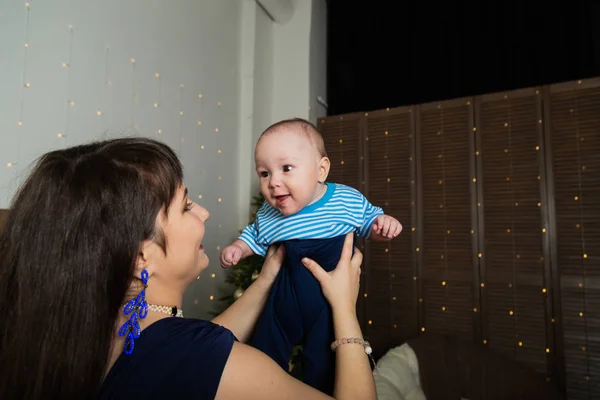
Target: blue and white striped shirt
<point>342,209</point>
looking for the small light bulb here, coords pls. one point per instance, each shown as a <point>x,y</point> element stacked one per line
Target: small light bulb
<point>155,105</point>
<point>199,122</point>
<point>443,283</point>
<point>510,312</point>
<point>482,284</point>
<point>216,129</point>
<point>26,45</point>
<point>423,329</point>
<point>520,344</point>
<point>484,341</point>
<point>220,200</point>
<point>159,131</point>
<point>200,96</point>
<point>181,86</point>
<point>133,60</point>
<point>71,102</point>
<point>544,290</point>
<point>219,151</point>
<point>220,177</point>
<point>28,85</point>
<point>157,75</point>
<point>20,123</point>
<point>417,249</point>
<point>474,309</point>
<point>386,250</point>
<point>202,147</point>
<point>386,133</point>
<point>443,308</point>
<point>370,322</point>
<point>180,112</point>
<point>342,162</point>
<point>213,275</point>
<point>70,26</point>
<point>59,135</point>
<point>341,141</point>
<point>576,198</point>
<point>199,196</point>
<point>212,297</point>
<point>99,113</point>
<point>581,314</point>
<point>9,164</point>
<point>585,256</point>
<point>218,247</point>
<point>219,104</point>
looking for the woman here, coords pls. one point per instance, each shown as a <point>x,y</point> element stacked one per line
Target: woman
<point>101,243</point>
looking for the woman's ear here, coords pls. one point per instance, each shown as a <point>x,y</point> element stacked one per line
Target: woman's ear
<point>324,165</point>
<point>144,257</point>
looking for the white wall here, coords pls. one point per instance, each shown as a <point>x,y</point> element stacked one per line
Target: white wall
<point>188,42</point>
<point>249,70</point>
<point>318,60</point>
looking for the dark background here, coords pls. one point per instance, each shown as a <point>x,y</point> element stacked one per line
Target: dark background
<point>394,53</point>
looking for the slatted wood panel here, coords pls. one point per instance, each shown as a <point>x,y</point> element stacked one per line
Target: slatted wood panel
<point>446,269</point>
<point>342,135</point>
<point>574,136</point>
<point>510,161</point>
<point>391,308</point>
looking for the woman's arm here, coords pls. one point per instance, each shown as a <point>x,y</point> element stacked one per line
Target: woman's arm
<point>240,318</point>
<point>250,374</point>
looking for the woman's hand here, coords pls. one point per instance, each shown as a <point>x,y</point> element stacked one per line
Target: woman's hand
<point>341,285</point>
<point>272,264</point>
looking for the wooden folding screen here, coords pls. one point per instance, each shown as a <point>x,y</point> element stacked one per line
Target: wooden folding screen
<point>499,196</point>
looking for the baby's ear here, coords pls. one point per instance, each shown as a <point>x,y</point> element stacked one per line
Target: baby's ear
<point>324,165</point>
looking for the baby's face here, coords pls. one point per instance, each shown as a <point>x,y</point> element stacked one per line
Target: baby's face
<point>287,164</point>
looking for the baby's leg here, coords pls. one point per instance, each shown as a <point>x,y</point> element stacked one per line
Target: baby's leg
<point>318,361</point>
<point>274,336</point>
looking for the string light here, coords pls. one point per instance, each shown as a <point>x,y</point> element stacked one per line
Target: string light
<point>70,101</point>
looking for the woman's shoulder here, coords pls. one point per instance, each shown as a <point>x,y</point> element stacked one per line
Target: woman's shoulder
<point>172,356</point>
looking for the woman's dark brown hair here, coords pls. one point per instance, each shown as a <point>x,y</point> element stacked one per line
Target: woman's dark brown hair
<point>67,257</point>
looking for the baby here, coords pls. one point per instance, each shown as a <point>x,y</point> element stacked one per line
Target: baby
<point>310,217</point>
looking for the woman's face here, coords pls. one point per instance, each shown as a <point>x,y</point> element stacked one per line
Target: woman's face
<point>183,228</point>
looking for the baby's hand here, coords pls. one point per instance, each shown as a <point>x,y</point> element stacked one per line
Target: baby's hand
<point>230,255</point>
<point>387,227</point>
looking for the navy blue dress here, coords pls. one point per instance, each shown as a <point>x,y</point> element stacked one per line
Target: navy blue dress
<point>173,358</point>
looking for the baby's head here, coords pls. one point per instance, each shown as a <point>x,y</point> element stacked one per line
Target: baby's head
<point>292,164</point>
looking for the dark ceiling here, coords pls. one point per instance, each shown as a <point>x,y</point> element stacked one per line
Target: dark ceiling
<point>393,53</point>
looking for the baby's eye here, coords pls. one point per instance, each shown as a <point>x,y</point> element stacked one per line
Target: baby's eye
<point>287,168</point>
<point>263,174</point>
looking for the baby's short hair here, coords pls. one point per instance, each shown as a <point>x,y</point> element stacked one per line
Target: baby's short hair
<point>305,127</point>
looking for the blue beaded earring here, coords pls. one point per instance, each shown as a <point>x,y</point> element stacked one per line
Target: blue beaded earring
<point>138,308</point>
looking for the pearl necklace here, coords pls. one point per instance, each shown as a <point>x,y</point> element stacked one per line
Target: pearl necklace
<point>172,311</point>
